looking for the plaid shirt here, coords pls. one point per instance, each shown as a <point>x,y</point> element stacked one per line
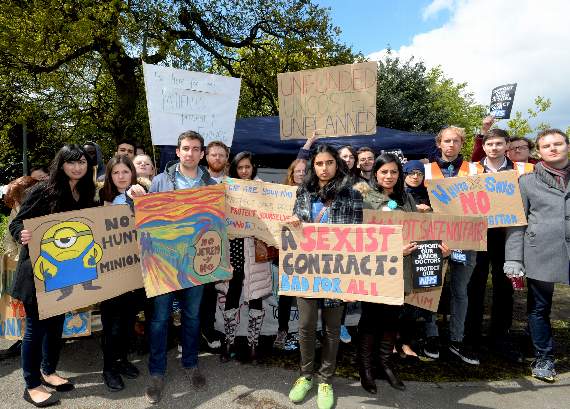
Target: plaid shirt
<point>346,208</point>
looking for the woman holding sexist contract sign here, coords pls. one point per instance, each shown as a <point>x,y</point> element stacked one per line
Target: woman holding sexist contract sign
<point>385,192</point>
<point>326,196</point>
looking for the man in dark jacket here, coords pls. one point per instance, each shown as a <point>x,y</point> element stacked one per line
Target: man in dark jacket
<point>495,143</point>
<point>184,174</point>
<point>541,249</point>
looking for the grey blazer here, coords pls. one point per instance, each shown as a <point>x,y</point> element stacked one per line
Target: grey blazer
<point>543,246</point>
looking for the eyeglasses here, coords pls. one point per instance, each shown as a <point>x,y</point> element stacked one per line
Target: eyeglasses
<point>415,173</point>
<point>299,172</point>
<point>366,159</point>
<point>519,148</point>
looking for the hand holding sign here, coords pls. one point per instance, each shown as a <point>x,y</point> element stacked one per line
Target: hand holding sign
<point>427,261</point>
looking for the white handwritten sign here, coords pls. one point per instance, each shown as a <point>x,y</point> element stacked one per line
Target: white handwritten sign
<point>180,100</point>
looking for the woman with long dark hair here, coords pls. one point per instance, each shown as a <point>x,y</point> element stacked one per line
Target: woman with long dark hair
<point>70,187</point>
<point>324,197</point>
<point>386,192</point>
<point>348,154</point>
<point>118,314</point>
<point>254,278</point>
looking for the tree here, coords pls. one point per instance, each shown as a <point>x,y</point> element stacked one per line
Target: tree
<point>520,125</point>
<point>413,98</point>
<point>80,62</point>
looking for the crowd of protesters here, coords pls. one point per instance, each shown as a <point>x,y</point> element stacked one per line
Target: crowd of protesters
<point>334,186</point>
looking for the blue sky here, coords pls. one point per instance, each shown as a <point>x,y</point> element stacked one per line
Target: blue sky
<point>485,43</point>
<point>371,25</point>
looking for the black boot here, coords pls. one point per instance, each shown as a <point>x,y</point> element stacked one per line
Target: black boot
<point>386,349</point>
<point>365,348</point>
<point>226,352</point>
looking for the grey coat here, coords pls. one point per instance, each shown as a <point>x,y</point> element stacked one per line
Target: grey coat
<point>543,246</point>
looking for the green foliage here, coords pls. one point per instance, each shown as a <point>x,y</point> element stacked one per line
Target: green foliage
<point>72,70</point>
<point>519,125</point>
<point>413,98</point>
<point>3,231</point>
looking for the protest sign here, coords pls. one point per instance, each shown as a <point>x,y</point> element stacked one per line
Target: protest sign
<point>13,320</point>
<point>335,101</point>
<point>428,298</point>
<point>83,257</point>
<point>77,324</point>
<point>457,232</point>
<point>180,100</point>
<point>342,261</point>
<point>502,99</point>
<point>255,208</point>
<point>493,195</point>
<point>427,263</point>
<point>183,238</point>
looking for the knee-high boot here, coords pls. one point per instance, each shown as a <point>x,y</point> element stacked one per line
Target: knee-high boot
<point>386,350</point>
<point>230,328</point>
<point>253,332</point>
<point>365,353</point>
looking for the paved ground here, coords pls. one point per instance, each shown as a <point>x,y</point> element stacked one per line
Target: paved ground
<point>240,386</point>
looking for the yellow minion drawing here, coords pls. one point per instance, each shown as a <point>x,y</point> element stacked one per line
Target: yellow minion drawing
<point>68,256</point>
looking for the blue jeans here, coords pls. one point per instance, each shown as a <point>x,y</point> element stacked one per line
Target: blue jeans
<point>539,304</point>
<point>40,346</point>
<point>460,276</point>
<point>189,300</point>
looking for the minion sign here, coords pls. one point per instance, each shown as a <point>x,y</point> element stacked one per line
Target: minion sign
<point>83,257</point>
<point>68,256</point>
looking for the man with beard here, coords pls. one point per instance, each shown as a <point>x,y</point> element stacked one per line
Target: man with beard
<point>217,154</point>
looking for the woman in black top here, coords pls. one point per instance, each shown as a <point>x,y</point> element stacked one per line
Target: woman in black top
<point>69,187</point>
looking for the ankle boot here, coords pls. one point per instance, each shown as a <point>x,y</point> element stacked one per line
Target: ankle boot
<point>386,350</point>
<point>365,348</point>
<point>230,328</point>
<point>253,331</point>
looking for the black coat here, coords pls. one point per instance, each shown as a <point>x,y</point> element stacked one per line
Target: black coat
<point>35,205</point>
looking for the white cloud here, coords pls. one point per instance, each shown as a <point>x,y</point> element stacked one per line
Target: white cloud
<point>435,7</point>
<point>493,42</point>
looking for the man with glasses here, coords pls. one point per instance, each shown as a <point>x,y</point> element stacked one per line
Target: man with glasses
<point>520,150</point>
<point>365,162</point>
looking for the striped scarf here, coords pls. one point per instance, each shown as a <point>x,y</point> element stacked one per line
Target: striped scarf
<point>561,175</point>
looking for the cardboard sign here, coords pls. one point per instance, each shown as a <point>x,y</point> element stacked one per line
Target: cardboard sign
<point>427,262</point>
<point>180,100</point>
<point>342,261</point>
<point>77,324</point>
<point>427,299</point>
<point>13,320</point>
<point>83,257</point>
<point>457,232</point>
<point>183,238</point>
<point>335,101</point>
<point>257,209</point>
<point>493,195</point>
<point>502,99</point>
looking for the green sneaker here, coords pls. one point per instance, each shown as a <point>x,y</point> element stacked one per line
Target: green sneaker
<point>325,396</point>
<point>300,389</point>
